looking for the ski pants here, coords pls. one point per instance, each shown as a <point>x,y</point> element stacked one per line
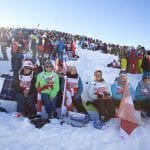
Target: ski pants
<point>60,55</point>
<point>105,108</point>
<point>50,104</point>
<point>34,51</point>
<point>78,105</point>
<point>25,102</point>
<point>144,105</point>
<point>4,53</point>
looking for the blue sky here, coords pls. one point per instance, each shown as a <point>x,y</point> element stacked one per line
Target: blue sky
<point>124,22</point>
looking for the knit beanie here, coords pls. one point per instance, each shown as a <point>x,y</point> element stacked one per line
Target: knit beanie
<point>123,72</point>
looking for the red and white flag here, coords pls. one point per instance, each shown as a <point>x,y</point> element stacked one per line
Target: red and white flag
<point>39,100</point>
<point>67,99</point>
<point>126,113</point>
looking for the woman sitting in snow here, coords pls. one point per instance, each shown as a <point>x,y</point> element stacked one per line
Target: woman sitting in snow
<point>118,86</point>
<point>48,81</point>
<point>142,93</point>
<point>114,64</point>
<point>99,91</point>
<point>75,86</point>
<point>24,84</point>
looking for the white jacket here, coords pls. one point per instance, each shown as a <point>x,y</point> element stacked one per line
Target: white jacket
<point>98,87</point>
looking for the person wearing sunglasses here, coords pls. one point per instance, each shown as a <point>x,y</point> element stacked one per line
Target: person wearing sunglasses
<point>118,87</point>
<point>142,93</point>
<point>24,85</point>
<point>100,93</point>
<point>48,81</point>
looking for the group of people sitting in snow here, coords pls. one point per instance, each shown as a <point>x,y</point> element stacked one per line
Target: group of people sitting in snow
<point>106,98</point>
<point>50,78</point>
<point>51,81</point>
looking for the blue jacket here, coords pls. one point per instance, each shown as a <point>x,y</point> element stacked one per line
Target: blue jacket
<point>60,46</point>
<point>138,95</point>
<point>117,96</point>
<point>80,88</point>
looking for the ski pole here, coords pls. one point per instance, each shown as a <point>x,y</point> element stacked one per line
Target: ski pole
<point>39,101</point>
<point>63,100</point>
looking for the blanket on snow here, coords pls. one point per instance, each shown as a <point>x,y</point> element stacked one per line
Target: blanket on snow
<point>7,91</point>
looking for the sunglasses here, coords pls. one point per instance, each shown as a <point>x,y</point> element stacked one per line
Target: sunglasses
<point>146,77</point>
<point>122,75</point>
<point>73,70</point>
<point>27,68</point>
<point>48,66</point>
<point>98,74</point>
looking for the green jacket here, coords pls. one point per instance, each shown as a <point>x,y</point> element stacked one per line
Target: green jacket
<point>44,78</point>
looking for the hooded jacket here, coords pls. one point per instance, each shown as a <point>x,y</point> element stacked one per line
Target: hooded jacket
<point>44,78</point>
<point>116,90</point>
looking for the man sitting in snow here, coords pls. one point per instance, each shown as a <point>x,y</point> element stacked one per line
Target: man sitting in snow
<point>99,91</point>
<point>48,81</point>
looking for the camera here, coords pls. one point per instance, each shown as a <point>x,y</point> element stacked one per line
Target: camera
<point>100,96</point>
<point>106,94</point>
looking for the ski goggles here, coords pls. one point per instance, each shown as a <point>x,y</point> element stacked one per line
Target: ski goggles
<point>48,66</point>
<point>28,68</point>
<point>147,77</point>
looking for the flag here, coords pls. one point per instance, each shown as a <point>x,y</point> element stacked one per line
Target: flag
<point>39,101</point>
<point>67,99</point>
<point>126,113</point>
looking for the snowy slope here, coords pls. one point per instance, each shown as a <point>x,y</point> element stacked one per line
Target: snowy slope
<point>19,134</point>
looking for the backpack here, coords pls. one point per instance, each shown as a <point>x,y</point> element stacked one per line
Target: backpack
<point>76,119</point>
<point>3,110</point>
<point>8,92</point>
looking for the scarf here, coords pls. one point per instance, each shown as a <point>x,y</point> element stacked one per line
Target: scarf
<point>25,80</point>
<point>145,89</point>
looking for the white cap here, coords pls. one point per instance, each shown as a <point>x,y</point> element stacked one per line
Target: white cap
<point>44,36</point>
<point>27,63</point>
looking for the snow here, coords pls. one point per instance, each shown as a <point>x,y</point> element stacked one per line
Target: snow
<point>20,134</point>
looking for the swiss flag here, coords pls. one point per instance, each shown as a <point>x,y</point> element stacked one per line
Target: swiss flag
<point>39,101</point>
<point>126,113</point>
<point>68,101</point>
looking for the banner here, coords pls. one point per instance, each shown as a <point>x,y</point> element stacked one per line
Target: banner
<point>126,113</point>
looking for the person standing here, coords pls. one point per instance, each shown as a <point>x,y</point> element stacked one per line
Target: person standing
<point>3,43</point>
<point>60,49</point>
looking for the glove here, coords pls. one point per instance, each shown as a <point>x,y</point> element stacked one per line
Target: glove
<point>75,98</point>
<point>88,103</point>
<point>120,91</point>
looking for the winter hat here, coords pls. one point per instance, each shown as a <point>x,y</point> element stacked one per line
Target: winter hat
<point>123,72</point>
<point>97,71</point>
<point>27,64</point>
<point>44,35</point>
<point>146,74</point>
<point>69,68</point>
<point>47,62</point>
<point>28,56</point>
<point>73,68</point>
